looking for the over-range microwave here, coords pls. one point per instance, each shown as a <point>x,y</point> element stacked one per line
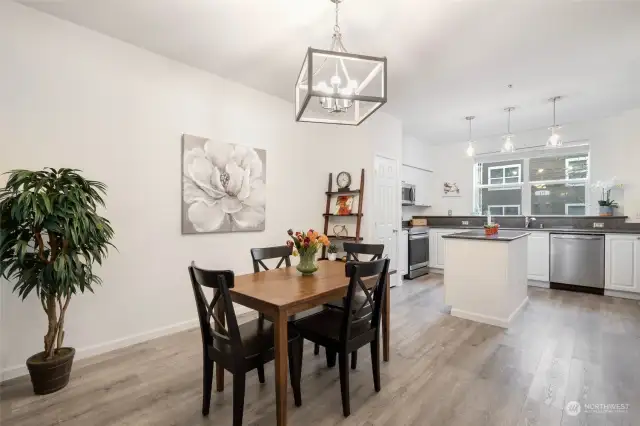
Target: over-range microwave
<point>408,194</point>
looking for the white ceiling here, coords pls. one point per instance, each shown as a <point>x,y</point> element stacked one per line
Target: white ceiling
<point>447,58</point>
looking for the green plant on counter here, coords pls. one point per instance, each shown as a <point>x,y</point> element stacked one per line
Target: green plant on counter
<point>333,248</point>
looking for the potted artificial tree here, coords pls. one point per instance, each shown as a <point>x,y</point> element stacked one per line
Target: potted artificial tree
<point>50,236</point>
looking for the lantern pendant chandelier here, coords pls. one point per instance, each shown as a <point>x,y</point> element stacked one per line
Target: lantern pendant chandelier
<point>470,149</point>
<point>338,87</point>
<point>554,140</point>
<point>508,137</point>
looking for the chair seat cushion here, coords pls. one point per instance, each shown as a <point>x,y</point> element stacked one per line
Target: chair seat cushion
<point>327,324</point>
<point>359,299</point>
<point>257,338</point>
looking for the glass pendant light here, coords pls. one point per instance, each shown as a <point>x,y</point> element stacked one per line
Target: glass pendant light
<point>508,137</point>
<point>470,149</point>
<point>554,140</point>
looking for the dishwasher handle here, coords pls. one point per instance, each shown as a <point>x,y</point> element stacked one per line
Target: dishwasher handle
<point>577,237</point>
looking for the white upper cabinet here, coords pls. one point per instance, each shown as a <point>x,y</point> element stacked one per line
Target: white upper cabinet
<point>422,180</point>
<point>538,256</point>
<point>423,193</point>
<point>622,262</point>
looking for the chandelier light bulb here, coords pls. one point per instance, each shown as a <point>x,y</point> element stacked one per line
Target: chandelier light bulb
<point>336,80</point>
<point>323,87</point>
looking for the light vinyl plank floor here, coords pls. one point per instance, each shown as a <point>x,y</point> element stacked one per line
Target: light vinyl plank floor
<point>444,371</point>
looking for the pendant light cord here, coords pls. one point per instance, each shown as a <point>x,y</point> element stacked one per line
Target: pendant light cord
<point>336,42</point>
<point>509,121</point>
<point>554,111</point>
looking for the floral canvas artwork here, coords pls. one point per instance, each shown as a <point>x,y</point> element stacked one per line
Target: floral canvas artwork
<point>223,186</point>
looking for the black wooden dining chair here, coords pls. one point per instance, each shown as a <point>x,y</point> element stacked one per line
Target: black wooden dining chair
<point>259,255</point>
<point>344,331</point>
<point>353,251</point>
<point>237,348</point>
<point>283,253</point>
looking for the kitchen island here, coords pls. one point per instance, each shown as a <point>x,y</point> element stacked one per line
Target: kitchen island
<point>485,277</point>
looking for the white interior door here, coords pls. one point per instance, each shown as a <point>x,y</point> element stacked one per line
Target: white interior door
<point>386,209</point>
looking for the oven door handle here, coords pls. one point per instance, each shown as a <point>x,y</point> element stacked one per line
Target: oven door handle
<point>418,237</point>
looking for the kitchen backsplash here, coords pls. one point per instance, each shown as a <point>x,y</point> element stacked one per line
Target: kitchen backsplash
<point>581,222</point>
<point>410,211</point>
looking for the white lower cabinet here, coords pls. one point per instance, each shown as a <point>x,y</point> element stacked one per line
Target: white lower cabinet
<point>538,256</point>
<point>437,246</point>
<point>622,262</point>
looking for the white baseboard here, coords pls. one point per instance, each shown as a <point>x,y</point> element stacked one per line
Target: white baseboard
<point>541,284</point>
<point>519,309</point>
<point>486,319</point>
<point>622,294</point>
<point>243,313</point>
<point>88,351</point>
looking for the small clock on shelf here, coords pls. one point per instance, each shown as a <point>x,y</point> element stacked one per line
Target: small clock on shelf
<point>344,181</point>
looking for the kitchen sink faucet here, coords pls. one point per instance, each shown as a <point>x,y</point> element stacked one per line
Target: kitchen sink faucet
<point>528,221</point>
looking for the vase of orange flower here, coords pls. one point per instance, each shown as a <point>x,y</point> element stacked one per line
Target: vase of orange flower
<point>306,245</point>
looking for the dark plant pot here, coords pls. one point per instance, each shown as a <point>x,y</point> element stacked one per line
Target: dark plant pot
<point>52,375</point>
<point>606,211</point>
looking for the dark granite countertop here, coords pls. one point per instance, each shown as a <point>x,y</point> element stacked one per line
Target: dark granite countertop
<point>478,234</point>
<point>562,230</point>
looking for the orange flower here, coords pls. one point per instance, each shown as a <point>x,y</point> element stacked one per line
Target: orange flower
<point>315,234</point>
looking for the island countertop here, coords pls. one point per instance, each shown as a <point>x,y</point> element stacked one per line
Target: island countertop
<point>478,234</point>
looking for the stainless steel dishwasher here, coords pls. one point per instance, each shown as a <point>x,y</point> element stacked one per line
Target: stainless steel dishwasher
<point>577,262</point>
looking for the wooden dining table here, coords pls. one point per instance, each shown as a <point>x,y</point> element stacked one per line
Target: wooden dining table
<point>280,293</point>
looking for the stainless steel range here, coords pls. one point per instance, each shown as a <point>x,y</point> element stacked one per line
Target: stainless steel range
<point>418,252</point>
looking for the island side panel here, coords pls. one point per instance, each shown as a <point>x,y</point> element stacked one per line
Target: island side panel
<point>475,280</point>
<point>485,281</point>
<point>517,276</point>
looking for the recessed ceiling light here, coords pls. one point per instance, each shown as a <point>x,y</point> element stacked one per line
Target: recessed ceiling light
<point>540,170</point>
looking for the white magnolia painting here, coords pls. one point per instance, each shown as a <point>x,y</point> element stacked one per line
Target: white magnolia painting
<point>223,186</point>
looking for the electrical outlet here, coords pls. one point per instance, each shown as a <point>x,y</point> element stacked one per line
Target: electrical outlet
<point>465,222</point>
<point>598,224</point>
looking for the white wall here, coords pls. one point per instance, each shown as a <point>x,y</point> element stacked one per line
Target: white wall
<point>74,98</point>
<point>417,153</point>
<point>614,151</point>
